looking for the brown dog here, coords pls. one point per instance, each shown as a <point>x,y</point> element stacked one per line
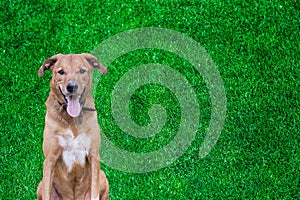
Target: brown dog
<point>71,134</point>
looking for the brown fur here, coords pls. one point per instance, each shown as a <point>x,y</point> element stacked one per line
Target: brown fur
<point>82,181</point>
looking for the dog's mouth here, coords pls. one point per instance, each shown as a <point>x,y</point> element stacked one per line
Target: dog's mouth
<point>73,103</point>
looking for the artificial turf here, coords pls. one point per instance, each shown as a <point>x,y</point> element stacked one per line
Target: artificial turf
<point>255,46</point>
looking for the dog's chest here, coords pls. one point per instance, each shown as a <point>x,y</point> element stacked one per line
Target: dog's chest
<point>75,149</point>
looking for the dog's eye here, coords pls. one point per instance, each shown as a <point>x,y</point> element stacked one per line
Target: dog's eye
<point>61,72</point>
<point>82,71</point>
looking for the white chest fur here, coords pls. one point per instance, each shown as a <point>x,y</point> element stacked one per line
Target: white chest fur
<point>75,149</point>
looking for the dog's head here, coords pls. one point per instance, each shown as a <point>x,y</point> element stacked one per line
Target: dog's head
<point>71,77</point>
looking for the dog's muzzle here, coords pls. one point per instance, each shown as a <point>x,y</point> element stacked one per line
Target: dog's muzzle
<point>73,104</point>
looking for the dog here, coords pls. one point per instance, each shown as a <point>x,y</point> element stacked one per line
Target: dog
<point>71,135</point>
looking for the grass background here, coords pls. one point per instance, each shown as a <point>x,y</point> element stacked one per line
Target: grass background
<point>255,47</point>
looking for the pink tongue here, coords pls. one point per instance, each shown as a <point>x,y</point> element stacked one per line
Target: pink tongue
<point>74,107</point>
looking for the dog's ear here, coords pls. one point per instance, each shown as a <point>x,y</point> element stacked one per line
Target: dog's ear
<point>95,62</point>
<point>48,64</point>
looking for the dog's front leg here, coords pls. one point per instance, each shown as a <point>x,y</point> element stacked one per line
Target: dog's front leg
<point>49,164</point>
<point>95,168</point>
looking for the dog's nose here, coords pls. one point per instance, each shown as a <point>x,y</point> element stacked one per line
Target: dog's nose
<point>72,87</point>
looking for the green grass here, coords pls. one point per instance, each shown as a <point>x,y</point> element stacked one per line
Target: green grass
<point>255,47</point>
